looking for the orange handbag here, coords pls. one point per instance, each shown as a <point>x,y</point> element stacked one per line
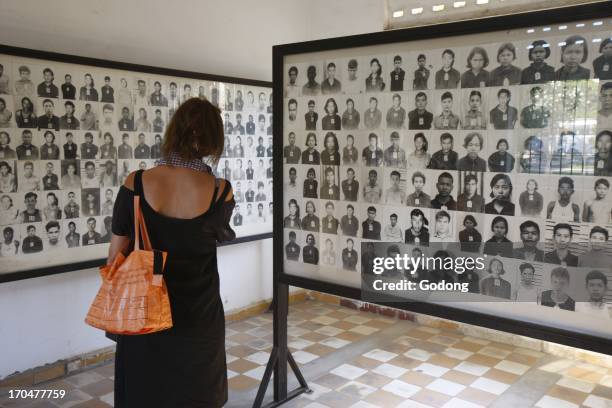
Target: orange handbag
<point>133,298</point>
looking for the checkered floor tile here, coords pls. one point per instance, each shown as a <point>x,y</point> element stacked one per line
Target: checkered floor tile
<point>422,367</point>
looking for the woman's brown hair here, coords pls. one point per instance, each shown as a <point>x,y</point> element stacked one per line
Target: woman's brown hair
<point>195,131</point>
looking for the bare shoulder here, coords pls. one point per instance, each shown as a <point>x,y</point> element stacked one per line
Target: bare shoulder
<point>222,182</point>
<point>129,181</point>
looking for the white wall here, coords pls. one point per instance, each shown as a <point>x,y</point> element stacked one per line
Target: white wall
<point>41,320</point>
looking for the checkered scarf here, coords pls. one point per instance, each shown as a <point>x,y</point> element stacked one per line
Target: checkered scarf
<point>173,159</point>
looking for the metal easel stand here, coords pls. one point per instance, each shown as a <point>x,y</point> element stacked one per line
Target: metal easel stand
<point>280,356</point>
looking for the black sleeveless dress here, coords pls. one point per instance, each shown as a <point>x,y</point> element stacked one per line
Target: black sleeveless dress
<point>183,366</point>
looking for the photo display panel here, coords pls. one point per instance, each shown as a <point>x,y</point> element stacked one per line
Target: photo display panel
<point>70,134</point>
<point>491,145</point>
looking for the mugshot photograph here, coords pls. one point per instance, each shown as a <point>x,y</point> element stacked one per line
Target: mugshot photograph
<point>602,160</point>
<point>142,150</point>
<point>535,115</point>
<point>32,243</point>
<point>531,201</point>
<point>503,115</point>
<point>349,224</point>
<point>469,200</point>
<point>68,120</point>
<point>372,116</point>
<point>371,227</point>
<point>506,73</point>
<point>350,117</point>
<point>538,72</point>
<point>72,237</point>
<point>574,52</point>
<point>310,253</point>
<point>419,197</point>
<point>311,184</point>
<point>88,149</point>
<point>159,123</point>
<point>392,230</point>
<point>395,193</point>
<point>25,115</point>
<point>501,196</point>
<point>9,213</point>
<point>350,154</point>
<point>567,156</point>
<point>445,158</point>
<point>396,115</point>
<point>88,116</point>
<point>140,95</point>
<point>602,65</point>
<point>108,173</point>
<point>310,221</point>
<point>23,85</point>
<point>70,175</point>
<point>350,257</point>
<point>68,89</point>
<point>31,211</point>
<point>108,202</point>
<point>124,150</point>
<point>329,222</point>
<point>312,86</point>
<point>597,208</point>
<point>88,91</point>
<point>10,242</point>
<point>476,75</point>
<point>469,237</point>
<point>397,75</point>
<point>494,284</point>
<point>53,241</point>
<point>473,143</point>
<point>126,120</point>
<point>420,117</point>
<point>90,202</point>
<point>6,152</point>
<point>89,175</point>
<point>28,176</point>
<point>350,185</point>
<point>292,249</point>
<point>107,92</point>
<point>444,227</point>
<point>499,244</point>
<point>447,77</point>
<point>329,186</point>
<point>446,119</point>
<point>473,117</point>
<point>533,158</point>
<point>501,160</point>
<point>372,155</point>
<point>563,208</point>
<point>48,120</point>
<point>292,114</point>
<point>293,220</point>
<point>330,84</point>
<point>50,179</point>
<point>69,146</point>
<point>330,156</point>
<point>6,115</point>
<point>444,199</point>
<point>419,157</point>
<point>557,296</point>
<point>49,150</point>
<point>421,73</point>
<point>91,236</point>
<point>372,187</point>
<point>310,155</point>
<point>374,81</point>
<point>236,150</point>
<point>47,89</point>
<point>311,117</point>
<point>394,155</point>
<point>108,149</point>
<point>8,181</point>
<point>562,237</point>
<point>418,231</point>
<point>51,210</point>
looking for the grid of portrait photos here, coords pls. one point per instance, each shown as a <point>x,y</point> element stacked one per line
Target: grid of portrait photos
<point>70,134</point>
<point>474,148</point>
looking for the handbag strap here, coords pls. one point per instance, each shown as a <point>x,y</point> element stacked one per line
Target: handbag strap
<point>140,227</point>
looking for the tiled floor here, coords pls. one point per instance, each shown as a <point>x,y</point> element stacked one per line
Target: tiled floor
<point>361,360</point>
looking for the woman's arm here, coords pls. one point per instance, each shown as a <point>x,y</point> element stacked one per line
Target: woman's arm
<point>118,244</point>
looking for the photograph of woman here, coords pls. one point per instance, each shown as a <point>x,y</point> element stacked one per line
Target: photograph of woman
<point>494,285</point>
